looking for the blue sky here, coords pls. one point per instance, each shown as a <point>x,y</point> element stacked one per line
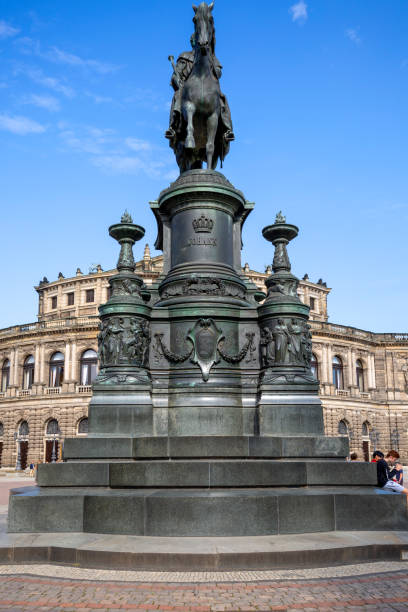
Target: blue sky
<point>318,95</point>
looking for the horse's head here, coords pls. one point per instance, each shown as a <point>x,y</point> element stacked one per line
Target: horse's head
<point>204,27</point>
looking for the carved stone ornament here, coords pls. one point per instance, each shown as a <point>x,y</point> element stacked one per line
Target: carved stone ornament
<point>122,379</point>
<point>205,337</point>
<point>124,341</point>
<point>280,218</point>
<point>248,347</point>
<point>124,286</point>
<point>282,286</point>
<point>204,285</point>
<point>288,342</point>
<point>160,348</point>
<point>207,345</point>
<point>203,224</point>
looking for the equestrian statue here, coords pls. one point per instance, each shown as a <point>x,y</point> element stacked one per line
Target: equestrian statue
<point>200,127</point>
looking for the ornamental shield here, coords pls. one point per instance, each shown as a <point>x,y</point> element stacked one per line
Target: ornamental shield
<point>205,337</point>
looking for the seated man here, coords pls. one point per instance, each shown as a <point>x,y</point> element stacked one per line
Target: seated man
<point>384,476</point>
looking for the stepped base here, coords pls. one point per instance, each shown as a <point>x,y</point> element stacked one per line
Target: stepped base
<point>185,513</point>
<point>157,447</point>
<point>204,554</point>
<point>211,474</point>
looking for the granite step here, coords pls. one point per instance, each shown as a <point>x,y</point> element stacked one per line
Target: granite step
<point>214,473</point>
<point>185,513</point>
<point>205,446</point>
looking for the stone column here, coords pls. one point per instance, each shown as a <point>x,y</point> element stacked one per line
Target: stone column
<point>67,383</point>
<point>67,360</point>
<point>42,365</point>
<point>98,292</point>
<point>369,372</point>
<point>15,368</point>
<point>73,375</point>
<point>373,370</point>
<point>353,369</point>
<point>329,365</point>
<point>324,364</point>
<point>349,382</point>
<point>37,364</point>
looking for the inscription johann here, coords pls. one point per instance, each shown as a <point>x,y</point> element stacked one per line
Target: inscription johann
<point>202,241</point>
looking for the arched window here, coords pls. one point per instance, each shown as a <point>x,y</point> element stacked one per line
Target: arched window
<point>89,361</point>
<point>83,426</point>
<point>343,428</point>
<point>365,429</point>
<point>28,372</point>
<point>56,370</point>
<point>360,374</point>
<point>23,429</point>
<point>314,366</point>
<point>5,375</point>
<point>53,428</point>
<point>337,366</point>
<point>1,429</point>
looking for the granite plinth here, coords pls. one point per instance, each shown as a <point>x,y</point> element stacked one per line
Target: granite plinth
<point>185,513</point>
<point>274,447</point>
<point>223,473</point>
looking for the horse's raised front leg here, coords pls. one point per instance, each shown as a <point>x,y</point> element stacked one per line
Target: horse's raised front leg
<point>212,124</point>
<point>189,112</point>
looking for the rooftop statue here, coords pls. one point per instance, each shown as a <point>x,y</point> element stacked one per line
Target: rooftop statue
<point>200,119</point>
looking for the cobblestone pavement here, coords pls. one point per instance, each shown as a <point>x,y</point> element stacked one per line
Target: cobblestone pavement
<point>341,588</point>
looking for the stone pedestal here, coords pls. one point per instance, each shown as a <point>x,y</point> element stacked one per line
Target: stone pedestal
<point>205,417</point>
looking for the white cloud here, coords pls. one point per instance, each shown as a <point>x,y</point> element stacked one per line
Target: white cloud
<point>125,164</point>
<point>99,99</point>
<point>121,164</point>
<point>29,46</point>
<point>62,57</point>
<point>88,139</point>
<point>6,30</point>
<point>299,11</point>
<point>50,82</point>
<point>48,102</point>
<point>138,145</point>
<point>109,151</point>
<point>352,34</point>
<point>20,125</point>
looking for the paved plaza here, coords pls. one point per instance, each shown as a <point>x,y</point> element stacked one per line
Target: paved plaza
<point>371,586</point>
<point>63,588</point>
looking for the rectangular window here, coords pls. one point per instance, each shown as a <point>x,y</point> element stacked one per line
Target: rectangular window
<point>54,301</point>
<point>90,295</point>
<point>312,303</point>
<point>70,299</point>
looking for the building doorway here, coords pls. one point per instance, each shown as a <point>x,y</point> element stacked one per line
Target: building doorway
<point>21,437</point>
<point>365,434</point>
<point>51,451</point>
<point>52,441</point>
<point>23,444</point>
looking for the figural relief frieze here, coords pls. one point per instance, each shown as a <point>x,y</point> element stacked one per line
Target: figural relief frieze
<point>124,341</point>
<point>288,342</point>
<point>204,286</point>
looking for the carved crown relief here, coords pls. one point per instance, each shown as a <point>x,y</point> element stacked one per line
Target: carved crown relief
<point>203,224</point>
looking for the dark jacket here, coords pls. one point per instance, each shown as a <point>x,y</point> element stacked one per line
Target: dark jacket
<point>383,472</point>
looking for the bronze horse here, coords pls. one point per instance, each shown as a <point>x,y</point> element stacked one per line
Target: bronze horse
<point>201,136</point>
